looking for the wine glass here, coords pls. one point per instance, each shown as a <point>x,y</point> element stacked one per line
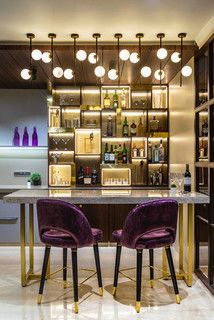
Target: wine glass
<point>179,178</point>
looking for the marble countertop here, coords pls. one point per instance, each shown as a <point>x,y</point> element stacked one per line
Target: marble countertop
<point>102,196</point>
<point>4,188</point>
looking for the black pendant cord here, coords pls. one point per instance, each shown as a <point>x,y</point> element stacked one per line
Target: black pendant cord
<point>75,49</point>
<point>139,47</point>
<point>96,50</point>
<point>181,78</point>
<point>31,67</point>
<point>118,60</point>
<point>160,61</point>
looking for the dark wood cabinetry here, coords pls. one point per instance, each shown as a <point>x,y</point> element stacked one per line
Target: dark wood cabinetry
<point>204,165</point>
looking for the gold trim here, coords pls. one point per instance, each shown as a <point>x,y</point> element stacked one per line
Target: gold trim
<point>190,240</point>
<point>181,239</point>
<point>31,236</point>
<point>76,308</point>
<point>39,298</point>
<point>178,300</point>
<point>137,306</point>
<point>22,245</point>
<point>152,283</point>
<point>64,284</point>
<point>114,291</point>
<point>101,291</point>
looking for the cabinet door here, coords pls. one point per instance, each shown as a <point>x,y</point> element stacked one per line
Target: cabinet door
<point>97,216</point>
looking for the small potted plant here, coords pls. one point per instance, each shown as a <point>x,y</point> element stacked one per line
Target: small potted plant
<point>173,188</point>
<point>36,179</point>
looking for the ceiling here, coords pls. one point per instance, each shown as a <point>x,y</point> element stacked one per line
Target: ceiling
<point>106,17</point>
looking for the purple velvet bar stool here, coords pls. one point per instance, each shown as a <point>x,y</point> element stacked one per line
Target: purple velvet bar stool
<point>149,225</point>
<point>64,225</point>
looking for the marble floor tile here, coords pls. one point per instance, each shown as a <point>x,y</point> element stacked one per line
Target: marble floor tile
<point>157,303</point>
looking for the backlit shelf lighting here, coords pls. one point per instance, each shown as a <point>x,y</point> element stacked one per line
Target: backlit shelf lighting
<point>61,134</point>
<point>71,110</point>
<point>66,91</point>
<point>87,91</point>
<point>141,94</point>
<point>91,113</point>
<point>115,138</point>
<point>88,155</point>
<point>133,113</point>
<point>62,151</point>
<point>158,113</point>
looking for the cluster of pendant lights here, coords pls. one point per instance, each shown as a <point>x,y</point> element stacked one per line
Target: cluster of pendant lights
<point>93,58</point>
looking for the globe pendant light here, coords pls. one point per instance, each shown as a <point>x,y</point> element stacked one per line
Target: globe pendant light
<point>36,54</point>
<point>159,74</point>
<point>124,54</point>
<point>29,73</point>
<point>176,57</point>
<point>146,72</point>
<point>118,36</point>
<point>162,52</point>
<point>68,74</point>
<point>92,58</point>
<point>58,72</point>
<point>81,55</point>
<point>112,74</point>
<point>99,70</point>
<point>135,56</point>
<point>186,71</point>
<point>46,57</point>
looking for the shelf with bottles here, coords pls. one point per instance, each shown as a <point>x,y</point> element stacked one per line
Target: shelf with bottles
<point>109,121</point>
<point>90,119</point>
<point>157,121</point>
<point>62,175</point>
<point>141,97</point>
<point>70,118</point>
<point>203,149</point>
<point>116,177</point>
<point>114,97</point>
<point>138,148</point>
<point>54,117</point>
<point>159,97</point>
<point>88,172</point>
<point>157,150</point>
<point>61,141</point>
<point>158,175</point>
<point>133,123</point>
<point>115,151</point>
<point>66,96</point>
<point>87,141</point>
<point>61,157</point>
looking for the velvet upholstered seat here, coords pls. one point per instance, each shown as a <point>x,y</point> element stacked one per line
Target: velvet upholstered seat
<point>149,225</point>
<point>64,225</point>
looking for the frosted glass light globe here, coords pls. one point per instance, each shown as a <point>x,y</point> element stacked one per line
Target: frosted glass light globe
<point>25,74</point>
<point>93,58</point>
<point>81,55</point>
<point>68,74</point>
<point>134,57</point>
<point>146,72</point>
<point>46,57</point>
<point>57,72</point>
<point>176,57</point>
<point>112,74</point>
<point>159,74</point>
<point>124,54</point>
<point>186,71</point>
<point>99,71</point>
<point>162,53</point>
<point>36,54</point>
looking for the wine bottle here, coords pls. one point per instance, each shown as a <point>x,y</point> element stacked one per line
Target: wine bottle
<point>115,154</point>
<point>107,101</point>
<point>109,126</point>
<point>187,179</point>
<point>94,176</point>
<point>80,175</point>
<point>34,138</point>
<point>106,154</point>
<point>124,153</point>
<point>133,129</point>
<point>87,177</point>
<point>16,137</point>
<point>25,139</point>
<point>140,128</point>
<point>111,155</point>
<point>115,100</point>
<point>161,152</point>
<point>149,152</point>
<point>125,128</point>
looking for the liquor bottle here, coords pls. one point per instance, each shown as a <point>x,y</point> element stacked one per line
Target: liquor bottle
<point>204,129</point>
<point>124,153</point>
<point>111,155</point>
<point>149,152</point>
<point>16,137</point>
<point>187,180</point>
<point>107,101</point>
<point>94,176</point>
<point>56,119</point>
<point>109,126</point>
<point>154,124</point>
<point>133,129</point>
<point>115,100</point>
<point>87,177</point>
<point>160,176</point>
<point>141,151</point>
<point>123,99</point>
<point>115,155</point>
<point>201,150</point>
<point>140,128</point>
<point>155,155</point>
<point>125,128</point>
<point>106,154</point>
<point>34,138</point>
<point>161,152</point>
<point>25,139</point>
<point>134,151</point>
<point>120,154</point>
<point>80,175</point>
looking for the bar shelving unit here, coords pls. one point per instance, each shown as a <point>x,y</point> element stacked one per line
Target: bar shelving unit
<point>78,134</point>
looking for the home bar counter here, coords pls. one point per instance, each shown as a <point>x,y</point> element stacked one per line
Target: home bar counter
<point>106,209</point>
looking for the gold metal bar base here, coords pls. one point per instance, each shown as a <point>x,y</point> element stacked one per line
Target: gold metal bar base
<point>114,291</point>
<point>39,298</point>
<point>178,300</point>
<point>137,306</point>
<point>101,291</point>
<point>152,283</point>
<point>64,284</point>
<point>76,308</point>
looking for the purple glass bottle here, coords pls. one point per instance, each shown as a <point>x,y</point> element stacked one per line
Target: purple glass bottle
<point>25,139</point>
<point>34,138</point>
<point>16,137</point>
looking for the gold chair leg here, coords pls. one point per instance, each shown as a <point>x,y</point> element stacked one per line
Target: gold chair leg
<point>114,291</point>
<point>137,306</point>
<point>22,245</point>
<point>76,308</point>
<point>101,291</point>
<point>178,300</point>
<point>152,283</point>
<point>39,298</point>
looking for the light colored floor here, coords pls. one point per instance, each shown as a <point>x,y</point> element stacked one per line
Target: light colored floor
<point>158,303</point>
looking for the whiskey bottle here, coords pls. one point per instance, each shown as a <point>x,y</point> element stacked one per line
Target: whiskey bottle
<point>140,128</point>
<point>133,129</point>
<point>134,151</point>
<point>142,151</point>
<point>125,128</point>
<point>161,152</point>
<point>115,100</point>
<point>201,150</point>
<point>204,129</point>
<point>124,154</point>
<point>107,101</point>
<point>111,155</point>
<point>94,177</point>
<point>154,124</point>
<point>115,155</point>
<point>149,152</point>
<point>80,175</point>
<point>187,180</point>
<point>87,177</point>
<point>106,154</point>
<point>120,154</point>
<point>155,155</point>
<point>109,127</point>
